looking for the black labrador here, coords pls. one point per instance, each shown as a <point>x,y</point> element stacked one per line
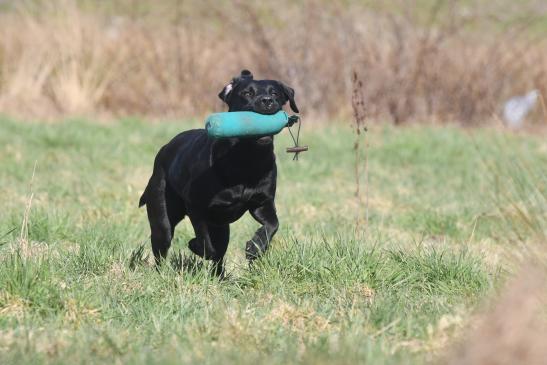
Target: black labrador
<point>215,181</point>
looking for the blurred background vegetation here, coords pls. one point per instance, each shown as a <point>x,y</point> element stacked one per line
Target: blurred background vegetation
<point>434,60</point>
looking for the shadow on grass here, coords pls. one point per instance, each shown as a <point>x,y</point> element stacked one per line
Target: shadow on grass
<point>178,262</point>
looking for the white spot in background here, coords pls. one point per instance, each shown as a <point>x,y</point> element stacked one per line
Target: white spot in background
<point>516,108</point>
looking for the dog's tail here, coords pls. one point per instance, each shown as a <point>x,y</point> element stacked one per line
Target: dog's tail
<point>142,200</point>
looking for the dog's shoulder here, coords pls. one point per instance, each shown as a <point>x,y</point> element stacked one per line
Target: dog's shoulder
<point>188,139</point>
<point>188,136</point>
<point>184,143</point>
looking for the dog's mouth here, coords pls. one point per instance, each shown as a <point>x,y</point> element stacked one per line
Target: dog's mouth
<point>267,111</point>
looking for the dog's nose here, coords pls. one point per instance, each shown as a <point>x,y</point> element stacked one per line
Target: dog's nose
<point>267,101</point>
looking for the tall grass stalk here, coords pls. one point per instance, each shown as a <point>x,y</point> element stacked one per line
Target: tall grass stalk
<point>23,244</point>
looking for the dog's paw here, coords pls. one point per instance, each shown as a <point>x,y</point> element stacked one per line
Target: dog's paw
<point>253,251</point>
<point>196,247</point>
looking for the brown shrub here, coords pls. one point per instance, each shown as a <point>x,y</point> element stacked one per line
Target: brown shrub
<point>445,61</point>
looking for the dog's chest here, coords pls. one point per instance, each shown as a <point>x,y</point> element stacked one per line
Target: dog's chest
<point>230,204</point>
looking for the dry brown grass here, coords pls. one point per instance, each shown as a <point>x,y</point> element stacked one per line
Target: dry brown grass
<point>444,61</point>
<point>514,332</point>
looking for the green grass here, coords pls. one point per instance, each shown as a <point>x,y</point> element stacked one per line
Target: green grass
<point>84,291</point>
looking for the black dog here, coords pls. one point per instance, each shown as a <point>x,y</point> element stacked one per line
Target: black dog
<point>215,181</point>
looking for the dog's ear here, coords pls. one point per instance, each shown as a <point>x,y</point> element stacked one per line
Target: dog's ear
<point>246,74</point>
<point>225,93</point>
<point>289,95</point>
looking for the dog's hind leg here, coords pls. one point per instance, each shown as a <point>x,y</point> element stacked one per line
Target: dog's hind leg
<point>175,208</point>
<point>156,207</point>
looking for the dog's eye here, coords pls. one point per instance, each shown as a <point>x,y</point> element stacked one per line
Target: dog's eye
<point>247,93</point>
<point>274,93</point>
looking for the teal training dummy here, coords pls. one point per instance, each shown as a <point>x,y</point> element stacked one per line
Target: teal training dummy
<point>247,124</point>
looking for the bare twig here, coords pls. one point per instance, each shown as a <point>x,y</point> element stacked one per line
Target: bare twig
<point>359,115</point>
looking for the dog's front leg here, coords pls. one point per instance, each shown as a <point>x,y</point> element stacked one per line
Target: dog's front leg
<point>211,242</point>
<point>267,216</point>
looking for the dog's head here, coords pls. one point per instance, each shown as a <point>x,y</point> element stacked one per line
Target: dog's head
<point>244,93</point>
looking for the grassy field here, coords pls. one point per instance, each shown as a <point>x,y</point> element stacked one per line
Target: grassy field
<point>75,288</point>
